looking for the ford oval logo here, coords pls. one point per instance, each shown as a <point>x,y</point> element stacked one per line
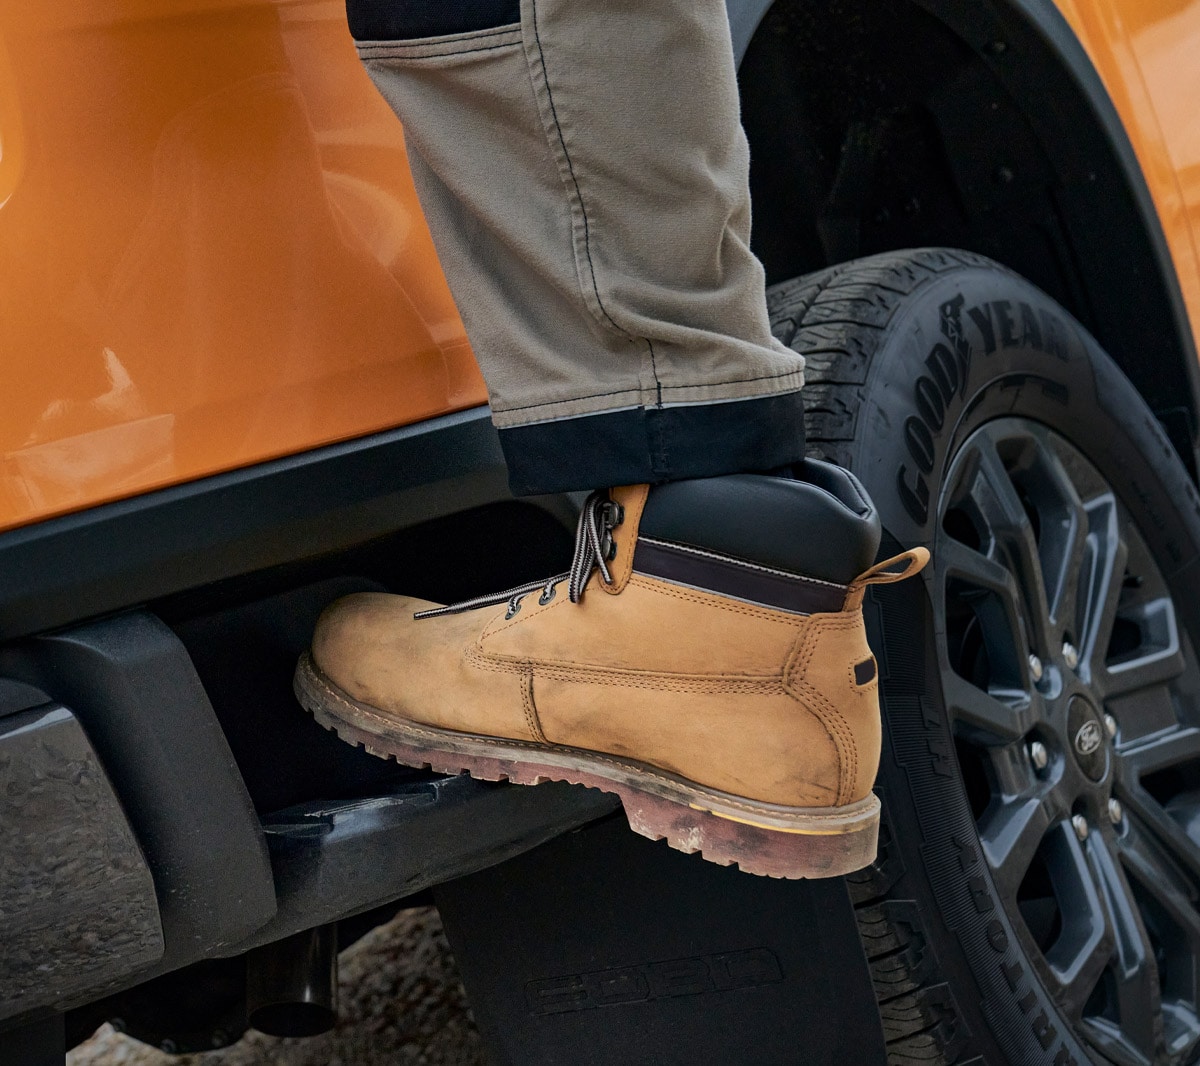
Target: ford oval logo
<point>1088,739</point>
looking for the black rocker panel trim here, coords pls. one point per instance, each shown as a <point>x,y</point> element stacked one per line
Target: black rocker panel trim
<point>733,577</point>
<point>637,445</point>
<point>404,20</point>
<point>93,562</point>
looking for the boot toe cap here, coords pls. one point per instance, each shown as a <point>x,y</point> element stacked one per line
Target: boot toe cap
<point>359,642</point>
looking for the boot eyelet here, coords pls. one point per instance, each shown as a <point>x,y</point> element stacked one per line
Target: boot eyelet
<point>513,608</point>
<point>547,596</point>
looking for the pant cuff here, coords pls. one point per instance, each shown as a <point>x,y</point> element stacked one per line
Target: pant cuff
<point>654,444</point>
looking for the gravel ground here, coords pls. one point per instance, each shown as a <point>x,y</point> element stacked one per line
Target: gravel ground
<point>401,1004</point>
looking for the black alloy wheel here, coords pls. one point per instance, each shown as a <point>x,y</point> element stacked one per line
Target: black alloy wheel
<point>1037,893</point>
<point>1068,690</point>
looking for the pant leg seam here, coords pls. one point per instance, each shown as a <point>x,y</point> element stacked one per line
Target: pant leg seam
<point>587,244</point>
<point>661,388</point>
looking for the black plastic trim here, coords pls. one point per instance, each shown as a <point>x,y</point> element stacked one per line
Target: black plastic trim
<point>977,24</point>
<point>132,686</point>
<point>77,895</point>
<point>335,860</point>
<point>1066,204</point>
<point>107,558</point>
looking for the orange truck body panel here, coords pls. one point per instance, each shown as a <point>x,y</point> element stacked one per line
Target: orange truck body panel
<point>1147,53</point>
<point>211,253</point>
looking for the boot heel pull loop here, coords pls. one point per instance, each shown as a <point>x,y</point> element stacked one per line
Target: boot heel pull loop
<point>884,573</point>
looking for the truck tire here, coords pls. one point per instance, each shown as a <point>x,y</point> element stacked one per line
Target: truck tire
<point>1034,897</point>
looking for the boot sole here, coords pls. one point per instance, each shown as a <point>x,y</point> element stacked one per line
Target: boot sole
<point>767,839</point>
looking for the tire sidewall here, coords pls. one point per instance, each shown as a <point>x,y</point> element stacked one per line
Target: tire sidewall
<point>975,344</point>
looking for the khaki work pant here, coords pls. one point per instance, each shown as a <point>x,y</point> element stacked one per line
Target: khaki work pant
<point>585,176</point>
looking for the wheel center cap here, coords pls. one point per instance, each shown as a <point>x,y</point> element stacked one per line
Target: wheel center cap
<point>1086,737</point>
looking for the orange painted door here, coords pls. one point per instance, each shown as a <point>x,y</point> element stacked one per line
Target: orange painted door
<point>210,249</point>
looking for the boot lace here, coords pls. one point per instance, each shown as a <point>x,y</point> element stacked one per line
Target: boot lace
<point>594,550</point>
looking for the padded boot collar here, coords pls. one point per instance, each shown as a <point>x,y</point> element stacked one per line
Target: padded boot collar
<point>823,526</point>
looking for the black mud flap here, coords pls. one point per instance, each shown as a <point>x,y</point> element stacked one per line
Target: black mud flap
<point>601,948</point>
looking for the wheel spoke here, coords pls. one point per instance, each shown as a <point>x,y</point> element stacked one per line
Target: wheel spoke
<point>958,561</point>
<point>1000,511</point>
<point>1159,751</point>
<point>1135,972</point>
<point>1084,947</point>
<point>1144,715</point>
<point>973,583</point>
<point>1157,661</point>
<point>1010,832</point>
<point>1065,542</point>
<point>1172,911</point>
<point>1098,590</point>
<point>1107,1038</point>
<point>1000,716</point>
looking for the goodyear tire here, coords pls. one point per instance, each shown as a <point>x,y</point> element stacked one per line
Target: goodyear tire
<point>1035,896</point>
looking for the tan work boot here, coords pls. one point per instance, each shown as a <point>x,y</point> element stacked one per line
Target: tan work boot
<point>725,692</point>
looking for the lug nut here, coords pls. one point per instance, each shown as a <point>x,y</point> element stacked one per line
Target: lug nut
<point>1115,811</point>
<point>1038,755</point>
<point>1070,655</point>
<point>1079,824</point>
<point>1035,668</point>
<point>1110,725</point>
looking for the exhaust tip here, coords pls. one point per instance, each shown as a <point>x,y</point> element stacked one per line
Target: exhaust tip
<point>291,985</point>
<point>293,1019</point>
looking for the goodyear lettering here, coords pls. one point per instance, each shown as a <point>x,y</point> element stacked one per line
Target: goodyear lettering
<point>998,323</point>
<point>1043,1030</point>
<point>920,443</point>
<point>1012,974</point>
<point>983,322</point>
<point>1012,971</point>
<point>943,763</point>
<point>997,936</point>
<point>980,895</point>
<point>966,853</point>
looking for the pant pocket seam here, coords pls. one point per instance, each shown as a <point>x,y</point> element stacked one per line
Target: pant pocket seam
<point>437,47</point>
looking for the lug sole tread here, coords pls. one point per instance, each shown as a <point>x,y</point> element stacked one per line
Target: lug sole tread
<point>819,843</point>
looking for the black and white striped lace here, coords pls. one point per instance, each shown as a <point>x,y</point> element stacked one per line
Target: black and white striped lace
<point>594,550</point>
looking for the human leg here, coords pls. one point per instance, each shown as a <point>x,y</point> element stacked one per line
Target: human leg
<point>585,178</point>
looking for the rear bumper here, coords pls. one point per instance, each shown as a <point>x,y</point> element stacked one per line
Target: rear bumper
<point>78,899</point>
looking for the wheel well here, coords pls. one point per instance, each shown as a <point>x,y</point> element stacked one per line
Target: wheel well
<point>883,124</point>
